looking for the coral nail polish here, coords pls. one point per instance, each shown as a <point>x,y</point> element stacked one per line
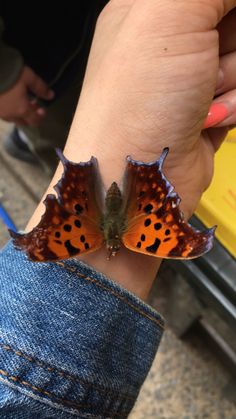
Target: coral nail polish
<point>217,113</point>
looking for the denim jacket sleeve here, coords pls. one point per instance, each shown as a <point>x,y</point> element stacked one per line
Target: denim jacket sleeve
<point>73,343</point>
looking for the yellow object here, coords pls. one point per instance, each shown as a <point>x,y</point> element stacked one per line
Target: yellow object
<point>218,203</point>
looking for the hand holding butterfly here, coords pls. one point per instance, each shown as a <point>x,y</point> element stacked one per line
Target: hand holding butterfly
<point>151,77</point>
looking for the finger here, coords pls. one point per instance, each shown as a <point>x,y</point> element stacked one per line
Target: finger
<point>37,86</point>
<point>227,5</point>
<point>227,73</point>
<point>217,136</point>
<point>222,111</point>
<point>34,116</point>
<point>219,8</point>
<point>29,113</point>
<point>217,113</point>
<point>21,122</point>
<point>32,122</point>
<point>16,121</point>
<point>37,109</point>
<point>41,112</point>
<point>33,119</point>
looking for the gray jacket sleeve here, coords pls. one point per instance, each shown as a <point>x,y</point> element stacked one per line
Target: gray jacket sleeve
<point>11,63</point>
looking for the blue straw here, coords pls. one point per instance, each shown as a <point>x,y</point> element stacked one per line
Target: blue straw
<point>7,219</point>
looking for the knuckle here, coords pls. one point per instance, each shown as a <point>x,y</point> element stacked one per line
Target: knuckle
<point>39,85</point>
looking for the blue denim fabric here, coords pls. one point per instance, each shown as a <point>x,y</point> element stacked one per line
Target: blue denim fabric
<point>72,342</point>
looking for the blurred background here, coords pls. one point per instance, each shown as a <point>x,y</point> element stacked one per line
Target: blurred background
<point>194,373</point>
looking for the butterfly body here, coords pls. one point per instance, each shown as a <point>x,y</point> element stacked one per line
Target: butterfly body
<point>113,223</point>
<point>144,218</point>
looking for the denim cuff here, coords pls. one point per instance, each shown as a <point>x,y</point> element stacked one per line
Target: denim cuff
<point>71,339</point>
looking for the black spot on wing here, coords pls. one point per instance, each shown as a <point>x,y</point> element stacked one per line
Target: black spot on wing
<point>157,226</point>
<point>67,227</point>
<point>141,193</point>
<point>58,234</point>
<point>147,222</point>
<point>78,209</point>
<point>138,245</point>
<point>148,208</point>
<point>143,237</point>
<point>47,255</point>
<point>154,247</point>
<point>86,246</point>
<point>77,223</point>
<point>71,249</point>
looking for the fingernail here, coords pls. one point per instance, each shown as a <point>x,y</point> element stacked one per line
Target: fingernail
<point>51,94</point>
<point>217,113</point>
<point>40,111</point>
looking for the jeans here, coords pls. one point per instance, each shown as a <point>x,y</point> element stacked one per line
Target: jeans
<point>73,343</point>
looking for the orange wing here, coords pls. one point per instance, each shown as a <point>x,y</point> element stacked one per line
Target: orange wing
<point>71,223</point>
<point>80,188</point>
<point>155,223</point>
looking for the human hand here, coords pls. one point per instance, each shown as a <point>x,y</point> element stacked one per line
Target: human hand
<point>154,70</point>
<point>222,112</point>
<point>152,73</point>
<point>17,106</point>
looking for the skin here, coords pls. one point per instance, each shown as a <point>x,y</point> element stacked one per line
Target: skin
<point>152,74</point>
<point>15,103</point>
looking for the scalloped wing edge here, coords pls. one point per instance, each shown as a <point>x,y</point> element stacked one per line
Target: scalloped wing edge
<point>159,164</point>
<point>66,163</point>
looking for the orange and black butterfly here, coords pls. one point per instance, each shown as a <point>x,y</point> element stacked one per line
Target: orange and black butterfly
<point>144,217</point>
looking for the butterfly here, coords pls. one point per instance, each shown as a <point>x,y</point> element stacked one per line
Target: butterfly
<point>144,217</point>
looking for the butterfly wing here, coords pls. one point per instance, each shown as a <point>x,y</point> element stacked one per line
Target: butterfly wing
<point>155,224</point>
<point>71,223</point>
<point>80,188</point>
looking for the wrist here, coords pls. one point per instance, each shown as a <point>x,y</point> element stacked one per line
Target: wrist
<point>131,270</point>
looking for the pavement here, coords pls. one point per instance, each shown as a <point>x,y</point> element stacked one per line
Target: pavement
<point>187,379</point>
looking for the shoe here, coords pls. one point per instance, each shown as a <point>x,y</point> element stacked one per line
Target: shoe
<point>16,145</point>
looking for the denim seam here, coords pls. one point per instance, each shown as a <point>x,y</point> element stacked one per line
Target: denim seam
<point>70,403</point>
<point>94,281</point>
<point>63,373</point>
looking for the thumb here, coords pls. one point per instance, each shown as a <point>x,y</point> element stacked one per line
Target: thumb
<point>36,85</point>
<point>226,6</point>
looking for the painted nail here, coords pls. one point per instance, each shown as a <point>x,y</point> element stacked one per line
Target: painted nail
<point>217,113</point>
